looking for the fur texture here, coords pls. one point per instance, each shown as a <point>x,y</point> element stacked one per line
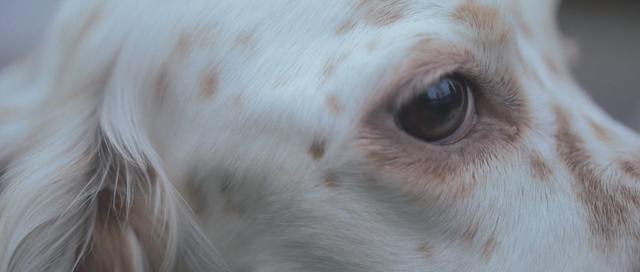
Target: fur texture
<point>241,135</point>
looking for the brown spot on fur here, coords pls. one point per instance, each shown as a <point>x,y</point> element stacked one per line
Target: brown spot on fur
<point>345,27</point>
<point>334,104</point>
<point>608,207</point>
<point>330,182</point>
<point>425,250</point>
<point>539,167</point>
<point>601,133</point>
<point>329,69</point>
<point>553,66</point>
<point>381,13</point>
<point>201,37</point>
<point>317,149</point>
<point>631,167</point>
<point>92,19</point>
<point>489,247</point>
<point>180,52</point>
<point>476,15</point>
<point>209,83</point>
<point>183,46</point>
<point>193,196</point>
<point>331,65</point>
<point>470,233</point>
<point>244,40</point>
<point>484,19</point>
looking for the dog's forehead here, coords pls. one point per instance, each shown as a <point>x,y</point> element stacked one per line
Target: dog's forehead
<point>296,53</point>
<point>376,13</point>
<point>306,38</point>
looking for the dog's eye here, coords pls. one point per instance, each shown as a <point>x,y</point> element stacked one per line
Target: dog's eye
<point>441,113</point>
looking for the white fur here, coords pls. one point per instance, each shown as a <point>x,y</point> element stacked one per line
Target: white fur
<point>83,109</point>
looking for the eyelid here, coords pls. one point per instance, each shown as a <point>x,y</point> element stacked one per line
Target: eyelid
<point>414,88</point>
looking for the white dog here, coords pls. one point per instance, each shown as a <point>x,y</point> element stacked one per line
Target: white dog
<point>333,135</point>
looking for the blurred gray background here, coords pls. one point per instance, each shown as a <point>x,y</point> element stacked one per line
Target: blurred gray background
<point>608,33</point>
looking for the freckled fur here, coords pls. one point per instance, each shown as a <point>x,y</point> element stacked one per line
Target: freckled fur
<point>484,19</point>
<point>183,46</point>
<point>334,104</point>
<point>476,15</point>
<point>600,132</point>
<point>540,168</point>
<point>489,247</point>
<point>317,149</point>
<point>299,169</point>
<point>329,70</point>
<point>442,171</point>
<point>330,182</point>
<point>425,250</point>
<point>345,27</point>
<point>209,83</point>
<point>245,40</point>
<point>381,13</point>
<point>470,233</point>
<point>608,212</point>
<point>631,167</point>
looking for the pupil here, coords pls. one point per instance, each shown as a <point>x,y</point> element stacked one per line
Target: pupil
<point>437,112</point>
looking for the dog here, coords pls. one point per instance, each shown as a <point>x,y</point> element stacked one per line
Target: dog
<point>279,135</point>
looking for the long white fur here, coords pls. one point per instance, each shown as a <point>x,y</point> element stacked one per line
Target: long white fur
<point>72,137</point>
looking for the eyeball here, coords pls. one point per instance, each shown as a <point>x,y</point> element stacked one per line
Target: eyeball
<point>441,113</point>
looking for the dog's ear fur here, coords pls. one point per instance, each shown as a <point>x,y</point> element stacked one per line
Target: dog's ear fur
<point>84,189</point>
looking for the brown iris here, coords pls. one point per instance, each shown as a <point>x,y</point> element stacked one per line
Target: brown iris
<point>438,111</point>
